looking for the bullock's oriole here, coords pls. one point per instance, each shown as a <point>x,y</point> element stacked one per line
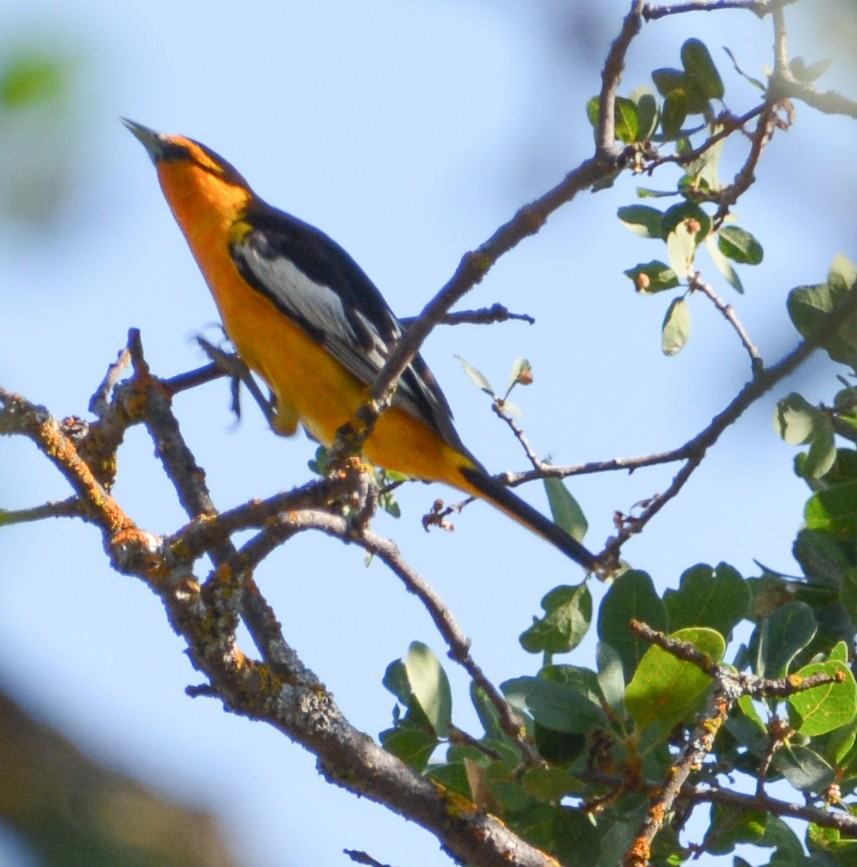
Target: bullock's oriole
<point>305,317</point>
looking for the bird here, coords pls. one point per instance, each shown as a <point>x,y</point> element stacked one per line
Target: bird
<point>307,319</point>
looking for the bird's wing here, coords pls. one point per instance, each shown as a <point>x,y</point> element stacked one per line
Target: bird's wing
<point>313,281</point>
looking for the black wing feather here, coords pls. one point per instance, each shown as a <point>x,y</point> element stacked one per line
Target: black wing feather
<point>320,287</point>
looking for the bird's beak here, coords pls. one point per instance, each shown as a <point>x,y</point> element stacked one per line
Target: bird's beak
<point>156,143</point>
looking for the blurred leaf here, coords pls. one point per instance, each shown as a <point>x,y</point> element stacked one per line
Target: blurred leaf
<point>810,73</point>
<point>565,509</point>
<point>803,767</point>
<point>695,219</point>
<point>522,374</point>
<point>782,636</point>
<point>631,597</point>
<point>627,120</point>
<point>668,80</point>
<point>809,307</point>
<point>673,113</point>
<point>821,557</point>
<point>723,265</point>
<point>476,376</point>
<point>576,839</point>
<point>610,677</point>
<point>668,690</point>
<point>739,245</point>
<point>556,747</point>
<point>548,783</point>
<point>676,327</point>
<point>488,715</point>
<point>834,510</point>
<point>701,70</point>
<point>825,708</point>
<point>593,109</point>
<point>681,246</point>
<point>647,113</point>
<point>430,686</point>
<point>568,613</point>
<point>795,419</point>
<point>642,220</point>
<point>396,681</point>
<point>652,277</point>
<point>32,77</point>
<point>718,598</point>
<point>555,705</point>
<point>413,746</point>
<point>730,827</point>
<point>754,81</point>
<point>451,776</point>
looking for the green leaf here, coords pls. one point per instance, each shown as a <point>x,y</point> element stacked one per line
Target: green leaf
<point>522,374</point>
<point>825,708</point>
<point>821,557</point>
<point>631,597</point>
<point>647,113</point>
<point>568,613</point>
<point>673,113</point>
<point>627,121</point>
<point>718,598</point>
<point>652,277</point>
<point>396,681</point>
<point>565,509</point>
<point>558,748</point>
<point>809,307</point>
<point>730,827</point>
<point>701,70</point>
<point>478,378</point>
<point>834,510</point>
<point>821,457</point>
<point>782,636</point>
<point>803,767</point>
<point>676,327</point>
<point>488,715</point>
<point>430,686</point>
<point>555,705</point>
<point>723,265</point>
<point>789,852</point>
<point>576,839</point>
<point>667,80</point>
<point>739,245</point>
<point>548,783</point>
<point>695,218</point>
<point>703,171</point>
<point>795,419</point>
<point>611,681</point>
<point>413,746</point>
<point>30,78</point>
<point>452,776</point>
<point>668,690</point>
<point>642,220</point>
<point>503,784</point>
<point>681,246</point>
<point>593,110</point>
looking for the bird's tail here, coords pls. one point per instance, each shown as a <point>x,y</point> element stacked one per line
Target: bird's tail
<point>488,488</point>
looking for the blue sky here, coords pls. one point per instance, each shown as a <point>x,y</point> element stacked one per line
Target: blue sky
<point>408,132</point>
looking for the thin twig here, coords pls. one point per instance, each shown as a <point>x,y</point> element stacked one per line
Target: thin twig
<point>69,508</point>
<point>697,284</point>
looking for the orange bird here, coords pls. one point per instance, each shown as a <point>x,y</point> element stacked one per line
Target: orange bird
<point>308,320</point>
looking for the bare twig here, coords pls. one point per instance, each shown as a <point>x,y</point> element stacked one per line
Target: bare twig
<point>69,508</point>
<point>697,284</point>
<point>484,316</point>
